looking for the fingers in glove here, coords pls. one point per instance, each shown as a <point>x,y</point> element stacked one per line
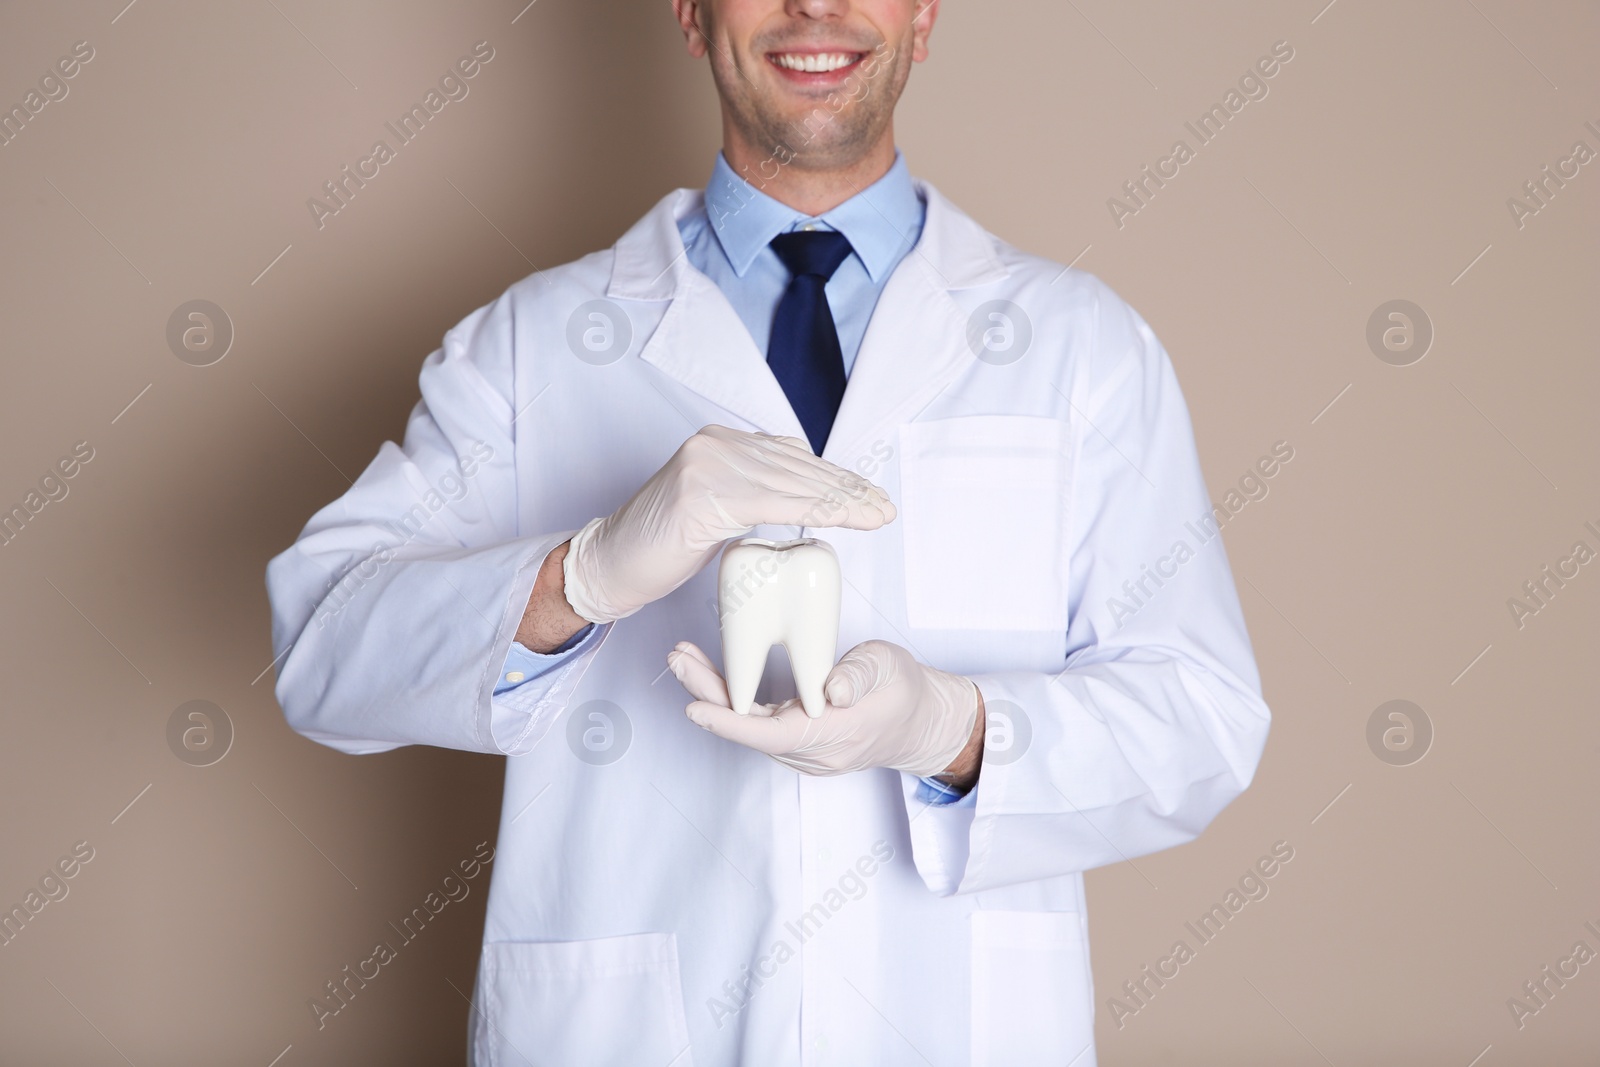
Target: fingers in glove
<point>821,505</point>
<point>789,454</point>
<point>695,671</point>
<point>801,472</point>
<point>859,672</point>
<point>781,732</point>
<point>779,494</point>
<point>813,491</point>
<point>696,674</point>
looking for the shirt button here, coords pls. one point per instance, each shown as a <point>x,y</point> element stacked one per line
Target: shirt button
<point>515,676</point>
<point>809,226</point>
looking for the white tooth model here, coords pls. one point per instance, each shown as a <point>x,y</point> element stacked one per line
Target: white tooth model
<point>778,592</point>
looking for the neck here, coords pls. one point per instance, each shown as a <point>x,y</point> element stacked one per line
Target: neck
<point>809,190</point>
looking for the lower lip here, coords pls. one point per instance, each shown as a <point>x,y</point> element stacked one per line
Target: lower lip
<point>817,78</point>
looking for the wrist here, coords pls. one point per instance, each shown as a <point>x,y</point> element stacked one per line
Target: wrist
<point>549,620</point>
<point>962,773</point>
<point>578,585</point>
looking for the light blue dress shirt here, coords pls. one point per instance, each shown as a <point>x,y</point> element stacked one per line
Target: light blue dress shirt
<point>729,240</point>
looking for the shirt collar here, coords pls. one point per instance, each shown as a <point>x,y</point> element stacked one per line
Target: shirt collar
<point>879,222</point>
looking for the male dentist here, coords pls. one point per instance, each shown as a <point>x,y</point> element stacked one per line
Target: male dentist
<point>1040,676</point>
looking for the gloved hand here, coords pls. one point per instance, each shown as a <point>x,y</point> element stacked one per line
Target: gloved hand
<point>884,710</point>
<point>718,485</point>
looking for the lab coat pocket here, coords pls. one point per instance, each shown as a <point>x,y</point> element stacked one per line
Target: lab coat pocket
<point>1032,998</point>
<point>983,502</point>
<point>609,1002</point>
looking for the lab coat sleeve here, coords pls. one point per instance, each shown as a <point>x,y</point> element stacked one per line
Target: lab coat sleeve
<point>394,610</point>
<point>1156,721</point>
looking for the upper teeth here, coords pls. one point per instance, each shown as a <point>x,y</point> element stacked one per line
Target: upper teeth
<point>813,62</point>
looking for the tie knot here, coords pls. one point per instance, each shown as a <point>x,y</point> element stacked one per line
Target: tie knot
<point>817,252</point>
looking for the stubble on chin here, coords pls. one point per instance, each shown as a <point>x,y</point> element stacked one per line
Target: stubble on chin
<point>818,138</point>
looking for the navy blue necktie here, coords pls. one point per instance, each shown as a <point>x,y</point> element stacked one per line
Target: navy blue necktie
<point>803,351</point>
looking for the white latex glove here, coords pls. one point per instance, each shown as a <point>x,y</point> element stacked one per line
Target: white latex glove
<point>718,485</point>
<point>884,710</point>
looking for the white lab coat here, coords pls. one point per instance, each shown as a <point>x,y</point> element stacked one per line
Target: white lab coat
<point>672,898</point>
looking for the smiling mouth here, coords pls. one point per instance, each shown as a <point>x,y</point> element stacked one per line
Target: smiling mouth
<point>815,62</point>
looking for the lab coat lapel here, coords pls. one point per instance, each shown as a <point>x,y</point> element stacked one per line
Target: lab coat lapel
<point>916,343</point>
<point>701,342</point>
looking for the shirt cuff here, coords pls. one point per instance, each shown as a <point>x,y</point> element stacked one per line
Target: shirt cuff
<point>931,791</point>
<point>523,665</point>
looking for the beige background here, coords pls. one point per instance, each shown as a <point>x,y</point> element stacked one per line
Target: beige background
<point>1378,568</point>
